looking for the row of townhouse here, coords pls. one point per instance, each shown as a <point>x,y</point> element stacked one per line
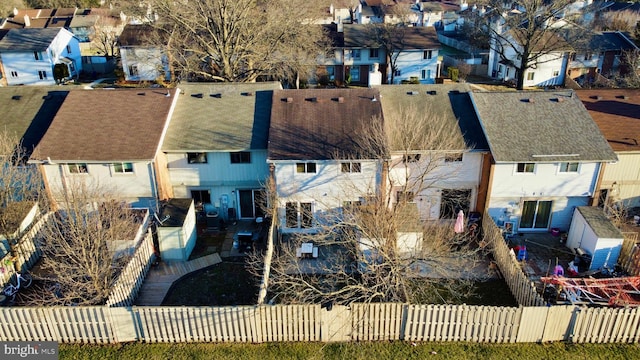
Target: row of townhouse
<point>524,157</point>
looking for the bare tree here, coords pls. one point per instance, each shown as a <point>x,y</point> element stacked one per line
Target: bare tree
<point>526,33</point>
<point>80,264</point>
<point>378,249</point>
<point>464,69</point>
<point>104,37</point>
<point>241,40</point>
<point>628,75</point>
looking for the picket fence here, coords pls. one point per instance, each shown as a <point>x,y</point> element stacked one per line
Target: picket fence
<point>522,288</point>
<point>287,323</point>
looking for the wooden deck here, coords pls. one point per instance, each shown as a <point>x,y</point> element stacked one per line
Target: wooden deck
<point>161,277</point>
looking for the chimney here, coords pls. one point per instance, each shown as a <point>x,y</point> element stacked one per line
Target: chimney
<point>15,11</point>
<point>289,99</point>
<point>27,22</point>
<point>340,99</point>
<point>340,25</point>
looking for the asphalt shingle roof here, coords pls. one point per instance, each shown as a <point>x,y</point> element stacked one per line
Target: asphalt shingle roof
<point>28,39</point>
<point>448,104</point>
<point>598,221</point>
<point>107,125</point>
<point>406,38</point>
<point>540,126</point>
<point>29,111</point>
<point>322,124</point>
<point>220,117</point>
<point>617,114</point>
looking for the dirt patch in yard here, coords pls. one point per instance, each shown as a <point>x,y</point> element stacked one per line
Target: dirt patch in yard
<point>223,284</point>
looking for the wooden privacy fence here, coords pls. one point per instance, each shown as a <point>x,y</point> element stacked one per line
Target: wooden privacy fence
<point>629,258</point>
<point>26,252</point>
<point>130,280</point>
<point>521,287</point>
<point>358,322</point>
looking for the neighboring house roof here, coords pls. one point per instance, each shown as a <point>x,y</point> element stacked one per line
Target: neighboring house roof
<point>540,126</point>
<point>138,35</point>
<point>28,39</point>
<point>40,18</point>
<point>220,117</point>
<point>447,110</point>
<point>599,222</point>
<point>405,38</point>
<point>29,111</point>
<point>323,124</point>
<point>107,125</point>
<point>335,38</point>
<point>617,114</point>
<point>84,21</point>
<point>610,41</point>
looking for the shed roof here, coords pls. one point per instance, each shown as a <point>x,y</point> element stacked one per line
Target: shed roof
<point>107,125</point>
<point>323,124</point>
<point>540,126</point>
<point>617,114</point>
<point>599,222</point>
<point>175,211</point>
<point>221,117</point>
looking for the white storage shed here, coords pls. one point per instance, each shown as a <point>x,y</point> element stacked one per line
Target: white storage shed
<point>596,235</point>
<point>177,229</point>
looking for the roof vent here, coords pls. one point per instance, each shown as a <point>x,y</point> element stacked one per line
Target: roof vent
<point>624,97</point>
<point>289,99</point>
<point>559,99</point>
<point>142,93</point>
<point>312,99</point>
<point>248,93</point>
<point>528,100</point>
<point>16,97</point>
<point>340,99</point>
<point>219,95</point>
<point>596,97</point>
<point>412,93</point>
<point>198,95</point>
<point>432,92</point>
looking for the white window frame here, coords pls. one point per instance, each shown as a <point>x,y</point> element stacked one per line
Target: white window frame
<point>42,74</point>
<point>196,158</point>
<point>565,167</point>
<point>126,168</point>
<point>299,215</point>
<point>524,168</point>
<point>374,53</point>
<point>350,167</point>
<point>306,168</point>
<point>78,168</point>
<point>241,157</point>
<point>427,55</point>
<point>530,75</point>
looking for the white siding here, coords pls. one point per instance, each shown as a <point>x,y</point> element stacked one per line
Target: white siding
<point>137,188</point>
<point>447,175</point>
<point>327,188</point>
<point>411,63</point>
<point>604,252</point>
<point>150,63</point>
<point>509,190</point>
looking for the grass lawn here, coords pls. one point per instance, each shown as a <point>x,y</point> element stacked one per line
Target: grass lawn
<point>377,350</point>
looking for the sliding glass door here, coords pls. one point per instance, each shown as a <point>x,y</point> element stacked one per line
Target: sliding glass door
<point>535,215</point>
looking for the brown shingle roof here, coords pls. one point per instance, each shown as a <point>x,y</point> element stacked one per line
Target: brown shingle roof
<point>406,38</point>
<point>617,114</point>
<point>107,125</point>
<point>322,124</point>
